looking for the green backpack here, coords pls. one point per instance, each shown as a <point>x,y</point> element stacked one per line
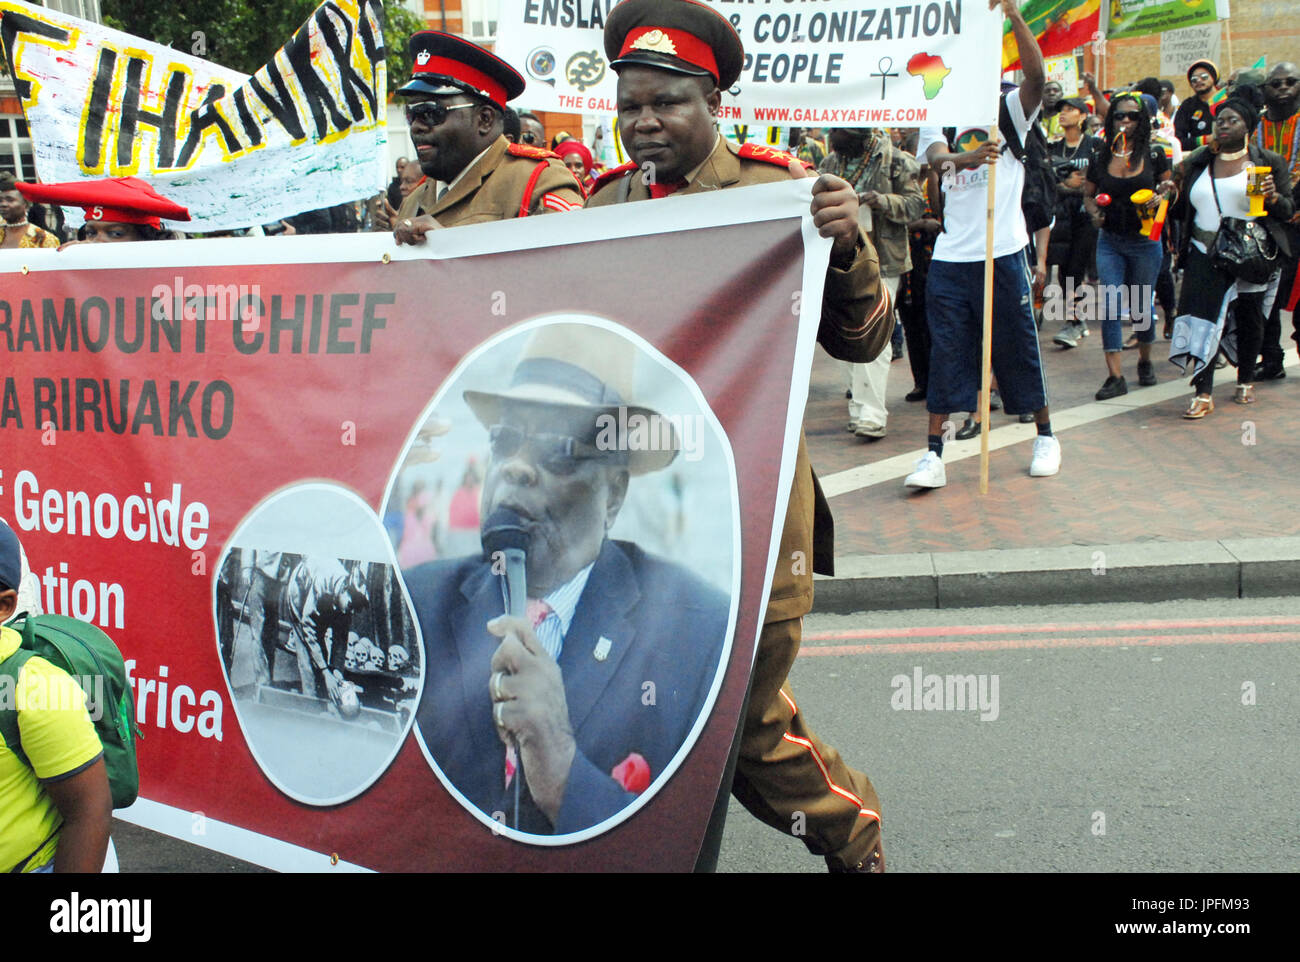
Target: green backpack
<point>87,654</point>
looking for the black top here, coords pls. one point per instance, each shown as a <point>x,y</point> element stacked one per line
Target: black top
<point>1070,214</point>
<point>1121,216</point>
<point>1192,121</point>
<point>1079,157</point>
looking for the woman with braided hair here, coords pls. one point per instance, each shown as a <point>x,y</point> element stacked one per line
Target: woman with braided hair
<point>1127,262</point>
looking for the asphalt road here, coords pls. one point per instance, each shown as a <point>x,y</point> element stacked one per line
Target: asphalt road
<point>1122,741</point>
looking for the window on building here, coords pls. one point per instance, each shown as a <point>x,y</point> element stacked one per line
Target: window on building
<point>16,148</point>
<point>481,19</point>
<point>85,9</point>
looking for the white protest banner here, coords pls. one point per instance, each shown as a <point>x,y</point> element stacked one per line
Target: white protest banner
<point>307,130</point>
<point>1182,47</point>
<point>837,62</point>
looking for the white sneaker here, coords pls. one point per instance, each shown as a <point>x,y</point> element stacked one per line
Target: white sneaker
<point>1047,457</point>
<point>929,473</point>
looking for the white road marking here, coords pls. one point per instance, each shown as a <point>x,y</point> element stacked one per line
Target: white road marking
<point>901,465</point>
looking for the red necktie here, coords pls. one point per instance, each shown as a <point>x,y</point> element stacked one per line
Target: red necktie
<point>663,190</point>
<point>536,611</point>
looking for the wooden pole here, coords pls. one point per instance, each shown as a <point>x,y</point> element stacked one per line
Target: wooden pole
<point>986,343</point>
<point>1227,34</point>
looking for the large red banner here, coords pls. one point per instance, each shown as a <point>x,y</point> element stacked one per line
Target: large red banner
<point>264,468</point>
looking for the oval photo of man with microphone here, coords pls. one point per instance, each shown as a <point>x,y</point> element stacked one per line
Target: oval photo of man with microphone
<point>573,654</point>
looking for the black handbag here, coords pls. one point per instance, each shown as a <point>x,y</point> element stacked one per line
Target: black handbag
<point>1243,248</point>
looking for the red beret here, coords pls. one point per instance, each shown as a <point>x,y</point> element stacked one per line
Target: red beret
<point>125,200</point>
<point>574,146</point>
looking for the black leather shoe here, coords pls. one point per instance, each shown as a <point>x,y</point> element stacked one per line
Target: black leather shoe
<point>1114,387</point>
<point>1027,418</point>
<point>873,864</point>
<point>970,429</point>
<point>916,394</point>
<point>1267,372</point>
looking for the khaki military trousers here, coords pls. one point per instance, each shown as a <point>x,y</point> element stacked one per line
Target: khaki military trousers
<point>787,777</point>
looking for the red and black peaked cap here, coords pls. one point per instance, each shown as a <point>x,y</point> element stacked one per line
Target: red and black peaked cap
<point>443,64</point>
<point>678,35</point>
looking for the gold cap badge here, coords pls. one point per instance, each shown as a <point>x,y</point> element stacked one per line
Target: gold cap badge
<point>655,40</point>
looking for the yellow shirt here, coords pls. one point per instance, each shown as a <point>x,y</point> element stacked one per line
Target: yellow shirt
<point>33,236</point>
<point>58,739</point>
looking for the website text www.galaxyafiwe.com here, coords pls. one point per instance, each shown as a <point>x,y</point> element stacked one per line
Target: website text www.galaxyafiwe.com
<point>843,116</point>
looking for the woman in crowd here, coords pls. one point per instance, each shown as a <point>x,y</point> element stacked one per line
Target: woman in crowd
<point>117,209</point>
<point>577,157</point>
<point>16,230</point>
<point>1216,309</point>
<point>1074,236</point>
<point>1127,262</point>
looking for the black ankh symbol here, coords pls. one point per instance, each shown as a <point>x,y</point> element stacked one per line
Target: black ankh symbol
<point>884,65</point>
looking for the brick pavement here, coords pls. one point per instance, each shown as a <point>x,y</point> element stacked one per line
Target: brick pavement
<point>1146,474</point>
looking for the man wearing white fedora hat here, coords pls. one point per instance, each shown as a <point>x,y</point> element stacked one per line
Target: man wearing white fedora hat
<point>566,683</point>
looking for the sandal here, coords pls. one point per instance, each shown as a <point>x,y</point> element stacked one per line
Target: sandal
<point>1245,394</point>
<point>1131,343</point>
<point>1199,407</point>
<point>1169,330</point>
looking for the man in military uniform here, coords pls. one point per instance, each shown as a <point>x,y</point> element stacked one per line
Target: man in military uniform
<point>455,104</point>
<point>673,58</point>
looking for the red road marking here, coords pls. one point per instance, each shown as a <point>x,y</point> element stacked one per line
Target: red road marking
<point>1011,644</point>
<point>967,630</point>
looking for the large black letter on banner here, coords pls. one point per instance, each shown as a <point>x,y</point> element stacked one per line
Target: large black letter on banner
<point>349,79</point>
<point>95,115</point>
<point>133,116</point>
<point>317,95</point>
<point>13,24</point>
<point>284,110</point>
<point>203,118</point>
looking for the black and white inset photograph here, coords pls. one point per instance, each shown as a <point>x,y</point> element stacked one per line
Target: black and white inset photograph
<point>320,648</point>
<point>569,476</point>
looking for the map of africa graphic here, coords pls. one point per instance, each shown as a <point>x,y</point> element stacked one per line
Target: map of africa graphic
<point>932,71</point>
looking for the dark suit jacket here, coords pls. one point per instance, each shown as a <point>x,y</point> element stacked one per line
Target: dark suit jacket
<point>666,626</point>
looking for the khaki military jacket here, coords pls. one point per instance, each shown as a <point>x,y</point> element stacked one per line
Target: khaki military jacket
<point>857,320</point>
<point>493,188</point>
<point>892,173</point>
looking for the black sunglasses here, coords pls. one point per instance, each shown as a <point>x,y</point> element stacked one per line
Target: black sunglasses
<point>1280,82</point>
<point>1126,114</point>
<point>430,113</point>
<point>559,454</point>
<point>528,138</point>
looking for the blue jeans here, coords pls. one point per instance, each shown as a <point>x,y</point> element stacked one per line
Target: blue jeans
<point>1128,267</point>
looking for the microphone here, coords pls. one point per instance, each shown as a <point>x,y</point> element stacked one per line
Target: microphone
<point>504,533</point>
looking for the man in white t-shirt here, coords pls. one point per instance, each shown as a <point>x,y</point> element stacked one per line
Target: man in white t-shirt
<point>955,288</point>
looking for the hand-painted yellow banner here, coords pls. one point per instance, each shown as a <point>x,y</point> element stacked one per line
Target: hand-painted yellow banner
<point>307,130</point>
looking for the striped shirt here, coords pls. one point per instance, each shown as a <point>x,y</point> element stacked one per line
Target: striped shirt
<point>564,605</point>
